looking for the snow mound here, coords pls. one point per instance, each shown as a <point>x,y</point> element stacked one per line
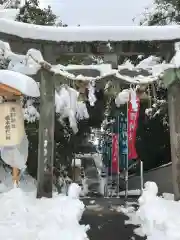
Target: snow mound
<point>74,191</point>
<point>25,217</point>
<point>157,217</point>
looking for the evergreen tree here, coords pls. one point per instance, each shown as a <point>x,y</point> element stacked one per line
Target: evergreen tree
<point>32,13</point>
<point>164,12</point>
<point>12,4</point>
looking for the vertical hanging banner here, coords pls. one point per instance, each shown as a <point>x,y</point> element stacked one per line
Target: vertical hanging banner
<point>109,152</point>
<point>123,137</point>
<point>115,146</point>
<point>115,153</point>
<point>133,115</point>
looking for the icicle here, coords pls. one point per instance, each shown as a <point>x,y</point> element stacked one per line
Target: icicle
<point>82,112</point>
<point>91,95</point>
<point>176,58</point>
<point>72,121</point>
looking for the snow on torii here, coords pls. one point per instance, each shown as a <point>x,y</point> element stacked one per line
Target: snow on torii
<point>90,34</point>
<point>30,64</point>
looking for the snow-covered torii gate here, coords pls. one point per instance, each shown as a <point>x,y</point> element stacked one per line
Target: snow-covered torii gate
<point>54,42</point>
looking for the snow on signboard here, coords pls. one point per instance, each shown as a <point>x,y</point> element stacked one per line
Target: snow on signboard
<point>22,83</point>
<point>88,34</point>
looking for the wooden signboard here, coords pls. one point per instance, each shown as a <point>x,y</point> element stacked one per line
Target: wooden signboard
<point>11,123</point>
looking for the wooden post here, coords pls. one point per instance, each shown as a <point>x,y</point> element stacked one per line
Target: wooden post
<point>15,176</point>
<point>174,121</point>
<point>46,135</point>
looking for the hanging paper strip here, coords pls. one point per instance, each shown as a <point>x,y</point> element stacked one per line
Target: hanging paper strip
<point>123,137</point>
<point>133,116</point>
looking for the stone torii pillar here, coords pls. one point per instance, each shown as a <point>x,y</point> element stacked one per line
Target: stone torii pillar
<point>172,82</point>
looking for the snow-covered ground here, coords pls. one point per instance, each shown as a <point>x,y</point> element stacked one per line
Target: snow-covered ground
<point>23,217</point>
<point>156,217</point>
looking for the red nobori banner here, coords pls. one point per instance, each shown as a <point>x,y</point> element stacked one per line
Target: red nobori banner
<point>133,116</point>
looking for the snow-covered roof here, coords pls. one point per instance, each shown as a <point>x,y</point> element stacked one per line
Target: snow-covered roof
<point>89,34</point>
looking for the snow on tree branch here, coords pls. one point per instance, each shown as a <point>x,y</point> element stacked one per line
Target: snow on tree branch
<point>68,106</point>
<point>160,13</point>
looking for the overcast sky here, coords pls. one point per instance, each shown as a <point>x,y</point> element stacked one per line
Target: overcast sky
<point>97,12</point>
